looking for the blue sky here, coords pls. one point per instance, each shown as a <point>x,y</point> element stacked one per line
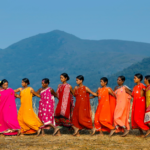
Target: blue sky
<point>87,19</point>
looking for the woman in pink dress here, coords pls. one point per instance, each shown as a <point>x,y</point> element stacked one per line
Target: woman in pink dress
<point>46,106</point>
<point>9,124</point>
<point>121,114</point>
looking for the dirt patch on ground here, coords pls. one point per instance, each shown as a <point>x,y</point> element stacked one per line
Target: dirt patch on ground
<point>68,142</point>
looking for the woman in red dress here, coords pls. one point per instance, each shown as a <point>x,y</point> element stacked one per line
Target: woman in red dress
<point>64,109</point>
<point>82,118</point>
<point>139,105</point>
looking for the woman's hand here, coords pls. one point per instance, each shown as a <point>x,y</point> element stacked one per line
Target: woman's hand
<point>17,96</point>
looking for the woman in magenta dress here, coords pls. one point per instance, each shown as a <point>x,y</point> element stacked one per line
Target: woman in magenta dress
<point>9,124</point>
<point>46,106</point>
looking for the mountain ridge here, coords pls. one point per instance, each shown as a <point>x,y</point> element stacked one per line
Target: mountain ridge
<point>142,67</point>
<point>59,32</point>
<point>50,54</point>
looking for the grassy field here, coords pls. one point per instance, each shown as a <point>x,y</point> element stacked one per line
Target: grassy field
<point>69,142</point>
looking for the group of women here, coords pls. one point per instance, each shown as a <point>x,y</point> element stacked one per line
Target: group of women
<point>112,114</point>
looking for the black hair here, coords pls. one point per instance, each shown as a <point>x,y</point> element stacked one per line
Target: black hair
<point>26,80</point>
<point>65,75</point>
<point>104,79</point>
<point>3,81</point>
<point>139,76</point>
<point>80,77</point>
<point>122,78</point>
<point>147,78</point>
<point>46,80</point>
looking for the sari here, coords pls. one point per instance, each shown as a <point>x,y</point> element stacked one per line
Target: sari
<point>82,110</point>
<point>122,110</point>
<point>46,108</point>
<point>147,114</point>
<point>28,120</point>
<point>8,113</point>
<point>138,108</point>
<point>63,112</point>
<point>104,116</point>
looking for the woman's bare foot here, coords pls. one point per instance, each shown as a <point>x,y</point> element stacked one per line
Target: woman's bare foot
<point>101,133</point>
<point>78,134</point>
<point>43,133</point>
<point>76,130</point>
<point>19,132</point>
<point>125,132</point>
<point>2,135</point>
<point>93,131</point>
<point>58,133</point>
<point>141,133</point>
<point>38,132</point>
<point>56,129</point>
<point>147,133</point>
<point>112,132</point>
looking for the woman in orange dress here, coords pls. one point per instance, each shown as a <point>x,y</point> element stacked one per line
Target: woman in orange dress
<point>139,105</point>
<point>28,120</point>
<point>104,115</point>
<point>82,111</point>
<point>121,114</point>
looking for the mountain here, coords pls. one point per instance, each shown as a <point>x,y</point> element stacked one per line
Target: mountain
<point>142,67</point>
<point>50,54</point>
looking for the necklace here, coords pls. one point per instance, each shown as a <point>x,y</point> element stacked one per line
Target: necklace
<point>119,87</point>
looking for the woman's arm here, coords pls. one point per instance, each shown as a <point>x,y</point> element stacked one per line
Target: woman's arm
<point>18,90</point>
<point>33,92</point>
<point>71,90</point>
<point>53,93</point>
<point>89,91</point>
<point>38,92</point>
<point>91,97</point>
<point>59,86</point>
<point>17,96</point>
<point>75,88</point>
<point>128,91</point>
<point>142,92</point>
<point>111,92</point>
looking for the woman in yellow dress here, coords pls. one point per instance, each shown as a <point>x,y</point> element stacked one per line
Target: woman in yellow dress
<point>147,94</point>
<point>28,120</point>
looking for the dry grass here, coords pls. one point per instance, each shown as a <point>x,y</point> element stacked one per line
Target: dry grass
<point>68,142</point>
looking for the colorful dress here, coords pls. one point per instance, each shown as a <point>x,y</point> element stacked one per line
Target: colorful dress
<point>46,108</point>
<point>147,114</point>
<point>82,110</point>
<point>138,108</point>
<point>121,114</point>
<point>104,116</point>
<point>28,120</point>
<point>63,112</point>
<point>8,112</point>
